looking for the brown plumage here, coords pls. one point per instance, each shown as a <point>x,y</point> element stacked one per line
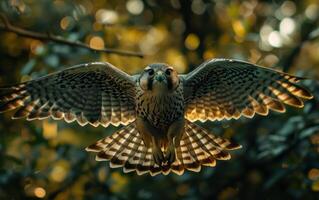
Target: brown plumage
<point>157,108</point>
<point>95,93</point>
<point>197,148</point>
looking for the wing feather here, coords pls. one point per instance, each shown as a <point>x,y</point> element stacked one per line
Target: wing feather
<point>94,93</point>
<point>227,89</point>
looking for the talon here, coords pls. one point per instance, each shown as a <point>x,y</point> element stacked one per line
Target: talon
<point>158,156</point>
<point>170,155</point>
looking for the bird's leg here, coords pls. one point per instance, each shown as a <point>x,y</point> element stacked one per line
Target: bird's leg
<point>150,138</point>
<point>174,135</point>
<point>157,152</point>
<point>144,130</point>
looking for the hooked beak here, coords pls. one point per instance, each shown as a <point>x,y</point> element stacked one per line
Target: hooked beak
<point>160,77</point>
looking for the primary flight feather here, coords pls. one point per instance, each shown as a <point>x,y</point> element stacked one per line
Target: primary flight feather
<point>157,108</point>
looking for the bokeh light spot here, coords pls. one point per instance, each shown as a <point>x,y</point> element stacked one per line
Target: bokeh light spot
<point>60,171</point>
<point>274,39</point>
<point>287,26</point>
<point>178,26</point>
<point>265,31</point>
<point>176,59</point>
<point>198,7</point>
<point>271,59</point>
<point>50,130</point>
<point>315,138</point>
<point>315,186</point>
<point>192,42</point>
<point>36,46</point>
<point>65,22</point>
<point>96,42</point>
<point>239,28</point>
<point>208,54</point>
<point>135,7</point>
<point>288,8</point>
<point>102,174</point>
<point>105,16</point>
<point>119,182</point>
<point>39,192</point>
<point>313,174</point>
<point>312,11</point>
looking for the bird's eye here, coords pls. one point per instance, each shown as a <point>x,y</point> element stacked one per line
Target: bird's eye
<point>168,72</point>
<point>150,72</point>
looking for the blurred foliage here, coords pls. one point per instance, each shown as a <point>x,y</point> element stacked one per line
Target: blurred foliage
<point>46,159</point>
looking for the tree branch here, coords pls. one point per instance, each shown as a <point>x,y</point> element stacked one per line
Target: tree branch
<point>7,26</point>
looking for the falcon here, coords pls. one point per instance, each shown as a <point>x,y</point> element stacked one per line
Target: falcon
<point>156,108</point>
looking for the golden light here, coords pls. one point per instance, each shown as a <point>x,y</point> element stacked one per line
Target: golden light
<point>192,42</point>
<point>50,129</point>
<point>313,174</point>
<point>315,186</point>
<point>102,174</point>
<point>97,26</point>
<point>176,59</point>
<point>119,182</point>
<point>60,171</point>
<point>135,7</point>
<point>132,36</point>
<point>149,43</point>
<point>105,16</point>
<point>208,54</point>
<point>58,174</point>
<point>65,22</point>
<point>39,192</point>
<point>96,42</point>
<point>239,28</point>
<point>35,45</point>
<point>68,136</point>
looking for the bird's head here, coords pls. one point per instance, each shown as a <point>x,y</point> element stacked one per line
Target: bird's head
<point>159,77</point>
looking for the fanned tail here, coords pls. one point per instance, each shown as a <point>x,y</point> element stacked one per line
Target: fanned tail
<point>198,148</point>
<point>125,148</point>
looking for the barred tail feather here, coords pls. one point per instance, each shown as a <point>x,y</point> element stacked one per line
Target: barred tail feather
<point>126,149</point>
<point>200,148</point>
<point>197,148</point>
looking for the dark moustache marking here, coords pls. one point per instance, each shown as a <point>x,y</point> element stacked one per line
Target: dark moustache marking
<point>169,83</point>
<point>150,84</point>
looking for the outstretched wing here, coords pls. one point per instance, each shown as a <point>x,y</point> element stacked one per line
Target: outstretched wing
<point>95,93</point>
<point>226,89</point>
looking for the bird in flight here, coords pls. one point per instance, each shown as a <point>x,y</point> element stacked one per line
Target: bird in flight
<point>156,108</point>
